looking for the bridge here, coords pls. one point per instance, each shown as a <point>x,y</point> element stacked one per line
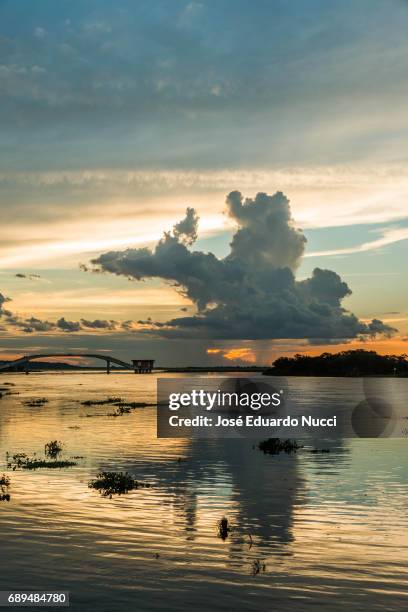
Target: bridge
<point>140,366</point>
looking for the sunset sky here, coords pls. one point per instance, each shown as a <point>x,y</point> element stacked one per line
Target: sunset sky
<point>117,117</point>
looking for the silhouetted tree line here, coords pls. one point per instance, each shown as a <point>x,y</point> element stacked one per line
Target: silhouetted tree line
<point>347,363</point>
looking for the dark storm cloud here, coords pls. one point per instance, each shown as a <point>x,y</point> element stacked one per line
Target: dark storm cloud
<point>27,325</point>
<point>98,324</point>
<point>252,293</point>
<point>33,324</point>
<point>68,326</point>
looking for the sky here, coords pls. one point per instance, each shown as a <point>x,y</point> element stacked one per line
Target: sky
<point>136,138</point>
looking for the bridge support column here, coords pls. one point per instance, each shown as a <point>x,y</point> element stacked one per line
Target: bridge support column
<point>108,363</point>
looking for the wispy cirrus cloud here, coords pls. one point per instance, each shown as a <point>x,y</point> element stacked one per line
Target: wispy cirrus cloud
<point>389,236</point>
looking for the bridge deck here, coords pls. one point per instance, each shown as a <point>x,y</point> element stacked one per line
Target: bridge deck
<point>25,360</point>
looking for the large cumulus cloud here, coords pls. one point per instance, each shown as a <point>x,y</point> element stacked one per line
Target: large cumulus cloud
<point>252,293</point>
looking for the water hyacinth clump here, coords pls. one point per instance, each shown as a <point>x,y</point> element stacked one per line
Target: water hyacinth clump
<point>4,485</point>
<point>35,464</point>
<point>53,449</point>
<point>23,462</point>
<point>115,483</point>
<point>123,406</point>
<point>36,403</point>
<point>120,411</point>
<point>257,567</point>
<point>274,446</point>
<point>103,402</point>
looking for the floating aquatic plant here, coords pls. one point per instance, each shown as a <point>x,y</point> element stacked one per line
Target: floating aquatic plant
<point>40,401</point>
<point>108,400</point>
<point>115,483</point>
<point>116,401</point>
<point>257,567</point>
<point>120,411</point>
<point>4,485</point>
<point>4,481</point>
<point>53,449</point>
<point>274,446</point>
<point>35,464</point>
<point>122,406</point>
<point>23,462</point>
<point>138,404</point>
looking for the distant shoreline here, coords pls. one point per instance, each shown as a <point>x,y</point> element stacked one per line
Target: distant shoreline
<point>358,363</point>
<point>45,366</point>
<point>197,369</point>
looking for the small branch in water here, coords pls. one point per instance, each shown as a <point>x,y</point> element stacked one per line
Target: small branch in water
<point>224,528</point>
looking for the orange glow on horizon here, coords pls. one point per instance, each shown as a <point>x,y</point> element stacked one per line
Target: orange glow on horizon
<point>235,354</point>
<point>287,348</point>
<point>386,346</point>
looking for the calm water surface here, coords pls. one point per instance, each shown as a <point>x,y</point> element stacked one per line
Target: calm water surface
<point>328,531</point>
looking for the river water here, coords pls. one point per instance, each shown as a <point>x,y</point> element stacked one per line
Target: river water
<point>309,531</point>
